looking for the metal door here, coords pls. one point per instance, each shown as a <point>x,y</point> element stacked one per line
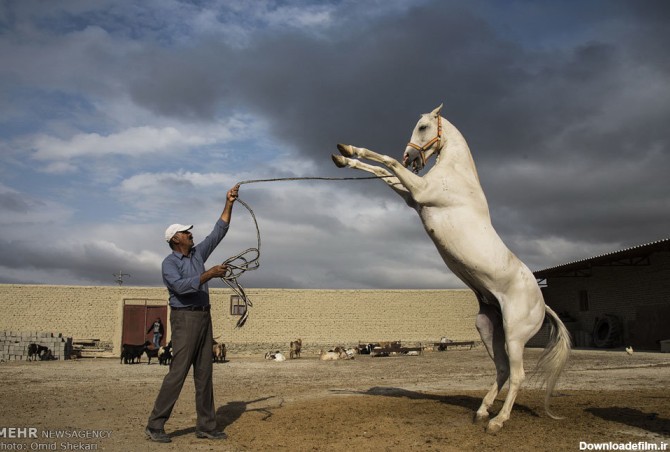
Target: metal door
<point>137,318</point>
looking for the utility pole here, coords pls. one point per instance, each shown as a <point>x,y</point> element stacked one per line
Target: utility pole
<point>119,277</point>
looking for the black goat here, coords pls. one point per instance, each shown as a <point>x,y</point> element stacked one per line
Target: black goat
<point>35,351</point>
<point>130,352</point>
<point>165,354</point>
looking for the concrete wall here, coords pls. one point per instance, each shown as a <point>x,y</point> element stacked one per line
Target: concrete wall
<point>15,346</point>
<point>319,317</point>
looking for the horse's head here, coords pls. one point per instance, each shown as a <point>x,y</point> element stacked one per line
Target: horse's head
<point>426,140</point>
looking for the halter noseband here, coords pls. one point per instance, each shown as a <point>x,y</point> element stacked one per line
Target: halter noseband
<point>425,147</point>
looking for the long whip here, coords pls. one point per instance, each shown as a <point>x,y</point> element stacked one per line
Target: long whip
<point>249,259</point>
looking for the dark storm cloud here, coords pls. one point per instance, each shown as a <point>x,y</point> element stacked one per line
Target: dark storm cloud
<point>371,81</point>
<point>563,104</point>
<point>367,83</point>
<point>185,83</point>
<point>88,261</point>
<point>581,109</point>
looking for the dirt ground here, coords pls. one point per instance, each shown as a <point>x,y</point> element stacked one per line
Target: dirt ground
<point>398,403</point>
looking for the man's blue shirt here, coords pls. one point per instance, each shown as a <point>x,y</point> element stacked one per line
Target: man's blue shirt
<point>181,274</point>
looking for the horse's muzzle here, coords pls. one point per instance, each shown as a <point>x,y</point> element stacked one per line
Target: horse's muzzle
<point>412,157</point>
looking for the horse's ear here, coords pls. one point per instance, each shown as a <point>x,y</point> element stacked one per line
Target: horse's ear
<point>437,111</point>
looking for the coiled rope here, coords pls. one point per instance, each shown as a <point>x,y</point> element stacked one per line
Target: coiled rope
<point>249,259</point>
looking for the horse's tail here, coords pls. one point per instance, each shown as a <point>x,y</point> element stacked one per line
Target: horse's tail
<point>554,357</point>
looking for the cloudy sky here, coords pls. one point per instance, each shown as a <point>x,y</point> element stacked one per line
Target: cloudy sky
<point>118,118</point>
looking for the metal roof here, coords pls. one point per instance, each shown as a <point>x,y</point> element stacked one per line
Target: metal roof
<point>627,256</point>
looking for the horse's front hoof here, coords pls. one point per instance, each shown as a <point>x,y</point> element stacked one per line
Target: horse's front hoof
<point>345,150</point>
<point>339,161</point>
<point>479,418</point>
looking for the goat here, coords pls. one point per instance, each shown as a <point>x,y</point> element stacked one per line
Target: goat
<point>365,349</point>
<point>295,349</point>
<point>165,354</point>
<point>219,353</point>
<point>35,351</point>
<point>151,353</point>
<point>130,352</point>
<point>380,351</point>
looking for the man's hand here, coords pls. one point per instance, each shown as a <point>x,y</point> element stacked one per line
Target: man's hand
<point>218,271</point>
<point>232,193</point>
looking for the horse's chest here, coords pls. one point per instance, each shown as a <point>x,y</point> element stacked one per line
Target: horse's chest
<point>443,227</point>
<point>438,192</point>
<point>458,233</point>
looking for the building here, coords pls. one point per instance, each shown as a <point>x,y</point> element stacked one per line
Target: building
<point>616,299</point>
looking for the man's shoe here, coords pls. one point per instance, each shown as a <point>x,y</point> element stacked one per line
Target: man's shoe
<point>157,434</point>
<point>210,435</point>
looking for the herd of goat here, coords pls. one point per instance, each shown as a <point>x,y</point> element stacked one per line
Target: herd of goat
<point>131,354</point>
<point>296,347</point>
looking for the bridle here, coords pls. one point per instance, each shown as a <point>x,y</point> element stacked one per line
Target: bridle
<point>437,139</point>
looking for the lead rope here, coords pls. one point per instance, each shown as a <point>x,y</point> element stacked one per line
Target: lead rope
<point>249,259</point>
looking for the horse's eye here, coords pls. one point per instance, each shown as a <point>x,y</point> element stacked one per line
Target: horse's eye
<point>422,128</point>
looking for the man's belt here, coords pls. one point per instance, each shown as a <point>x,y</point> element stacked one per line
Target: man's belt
<point>191,308</point>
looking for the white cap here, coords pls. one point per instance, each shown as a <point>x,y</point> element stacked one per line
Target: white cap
<point>174,228</point>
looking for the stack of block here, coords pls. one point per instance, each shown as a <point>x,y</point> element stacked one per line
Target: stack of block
<point>14,344</point>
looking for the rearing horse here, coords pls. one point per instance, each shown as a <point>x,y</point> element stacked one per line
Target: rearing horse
<point>453,209</point>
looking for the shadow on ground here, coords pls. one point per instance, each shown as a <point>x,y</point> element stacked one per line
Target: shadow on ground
<point>634,418</point>
<point>464,401</point>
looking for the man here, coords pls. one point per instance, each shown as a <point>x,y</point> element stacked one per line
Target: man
<point>157,328</point>
<point>186,279</point>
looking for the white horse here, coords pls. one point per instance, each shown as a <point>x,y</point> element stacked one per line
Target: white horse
<point>452,206</point>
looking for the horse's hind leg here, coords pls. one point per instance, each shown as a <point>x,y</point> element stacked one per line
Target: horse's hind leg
<point>490,327</point>
<point>516,377</point>
<point>522,321</point>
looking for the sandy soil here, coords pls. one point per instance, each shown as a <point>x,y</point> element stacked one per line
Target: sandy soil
<point>401,403</point>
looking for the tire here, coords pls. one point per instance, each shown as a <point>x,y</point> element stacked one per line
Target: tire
<point>607,332</point>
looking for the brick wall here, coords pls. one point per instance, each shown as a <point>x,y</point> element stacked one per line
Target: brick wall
<point>319,317</point>
<point>74,311</point>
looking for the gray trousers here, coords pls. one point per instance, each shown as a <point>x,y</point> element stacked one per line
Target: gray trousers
<point>191,346</point>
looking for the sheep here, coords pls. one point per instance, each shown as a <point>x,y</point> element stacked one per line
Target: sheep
<point>329,356</point>
<point>337,353</point>
<point>275,356</point>
<point>344,353</point>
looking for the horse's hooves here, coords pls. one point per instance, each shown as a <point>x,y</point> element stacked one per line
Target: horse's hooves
<point>480,418</point>
<point>493,428</point>
<point>345,150</point>
<point>339,161</point>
